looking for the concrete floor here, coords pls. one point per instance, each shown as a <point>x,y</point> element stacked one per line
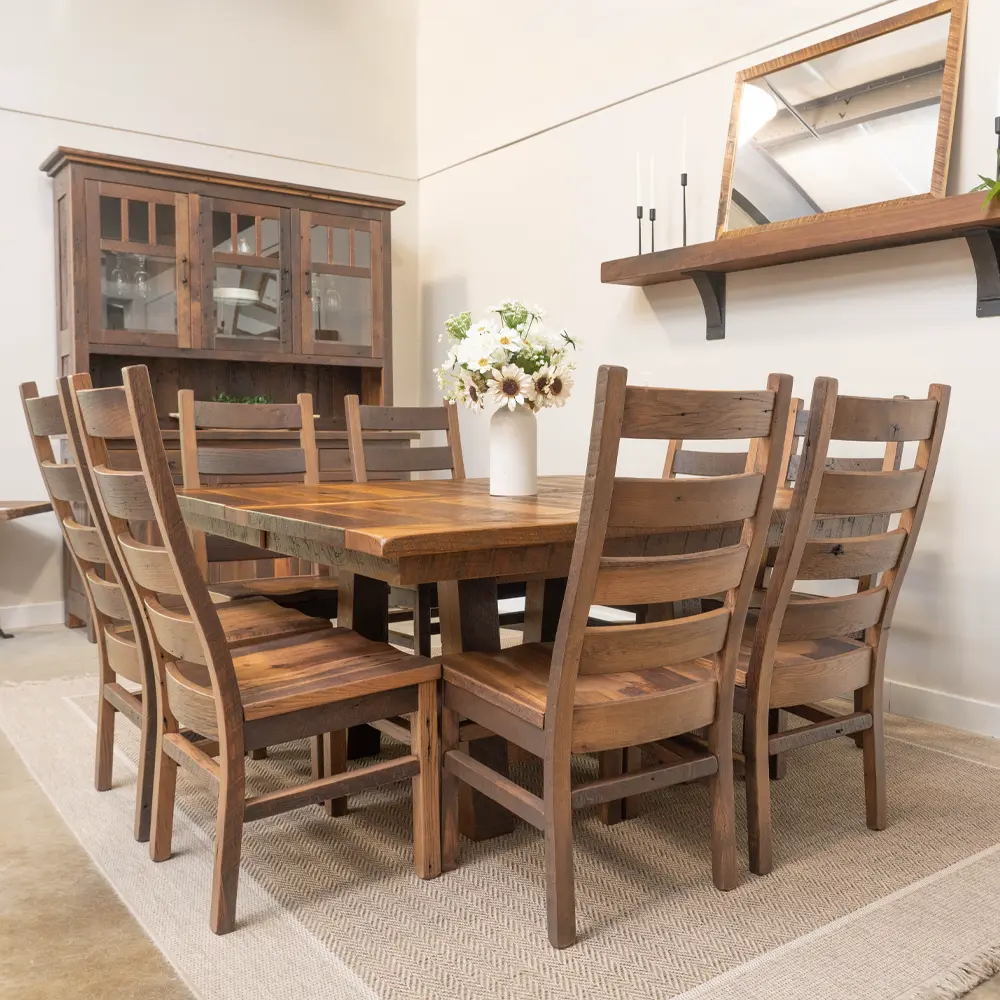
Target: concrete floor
<point>63,930</point>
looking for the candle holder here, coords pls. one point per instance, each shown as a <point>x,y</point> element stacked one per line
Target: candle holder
<point>684,207</point>
<point>638,215</point>
<point>652,230</point>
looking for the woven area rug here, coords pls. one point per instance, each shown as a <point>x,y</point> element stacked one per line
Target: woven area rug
<point>330,907</point>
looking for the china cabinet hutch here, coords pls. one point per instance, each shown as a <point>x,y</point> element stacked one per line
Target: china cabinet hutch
<point>224,285</point>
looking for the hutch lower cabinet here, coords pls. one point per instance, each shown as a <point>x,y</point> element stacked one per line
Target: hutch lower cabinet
<point>224,285</point>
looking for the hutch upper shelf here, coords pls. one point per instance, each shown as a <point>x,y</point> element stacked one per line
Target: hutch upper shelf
<point>166,262</point>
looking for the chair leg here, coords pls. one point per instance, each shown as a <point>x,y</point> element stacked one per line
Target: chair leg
<point>778,762</point>
<point>720,743</point>
<point>145,779</point>
<point>758,788</point>
<point>450,792</point>
<point>422,621</point>
<point>859,738</point>
<point>873,748</point>
<point>259,754</point>
<point>105,743</point>
<point>561,904</point>
<point>228,845</point>
<point>427,784</point>
<point>612,763</point>
<point>164,794</point>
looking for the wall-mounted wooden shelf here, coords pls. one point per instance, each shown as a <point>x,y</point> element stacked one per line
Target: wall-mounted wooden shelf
<point>877,227</point>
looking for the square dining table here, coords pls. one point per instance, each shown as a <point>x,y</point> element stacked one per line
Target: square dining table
<point>449,532</point>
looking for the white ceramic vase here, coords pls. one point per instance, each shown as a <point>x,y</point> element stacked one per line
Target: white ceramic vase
<point>513,452</point>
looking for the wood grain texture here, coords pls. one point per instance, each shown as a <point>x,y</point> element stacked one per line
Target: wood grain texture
<point>11,510</point>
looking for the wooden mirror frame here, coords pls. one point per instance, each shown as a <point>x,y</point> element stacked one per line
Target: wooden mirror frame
<point>946,119</point>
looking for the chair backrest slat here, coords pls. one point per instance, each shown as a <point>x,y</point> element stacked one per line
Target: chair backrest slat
<point>671,504</point>
<point>399,457</point>
<point>149,565</point>
<point>615,506</point>
<point>658,579</point>
<point>176,633</point>
<point>63,482</point>
<point>656,644</point>
<point>44,415</point>
<point>248,416</point>
<point>688,462</point>
<point>85,541</point>
<point>246,462</point>
<point>869,492</point>
<point>869,496</point>
<point>125,494</point>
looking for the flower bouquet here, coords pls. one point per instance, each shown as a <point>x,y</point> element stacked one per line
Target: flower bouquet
<point>512,360</point>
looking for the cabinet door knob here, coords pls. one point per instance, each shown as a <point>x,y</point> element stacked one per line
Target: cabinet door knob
<point>309,283</point>
<point>184,271</point>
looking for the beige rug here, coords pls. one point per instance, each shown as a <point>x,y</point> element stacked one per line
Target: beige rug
<point>330,908</point>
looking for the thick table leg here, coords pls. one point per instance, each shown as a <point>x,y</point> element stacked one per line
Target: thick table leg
<point>363,605</point>
<point>470,621</point>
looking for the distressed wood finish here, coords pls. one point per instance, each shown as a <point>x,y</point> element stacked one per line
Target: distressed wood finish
<point>285,687</point>
<point>806,648</point>
<point>559,690</point>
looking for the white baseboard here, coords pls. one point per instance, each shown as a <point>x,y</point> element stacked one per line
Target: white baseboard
<point>970,714</point>
<point>29,615</point>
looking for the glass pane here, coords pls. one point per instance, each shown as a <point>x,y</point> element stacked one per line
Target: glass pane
<point>138,221</point>
<point>166,235</point>
<point>222,234</point>
<point>319,246</point>
<point>247,302</point>
<point>111,218</point>
<point>342,246</point>
<point>270,238</point>
<point>362,248</point>
<point>138,292</point>
<point>342,309</point>
<point>246,234</point>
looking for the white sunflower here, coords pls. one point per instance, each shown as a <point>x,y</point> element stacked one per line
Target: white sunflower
<point>553,383</point>
<point>510,386</point>
<point>470,393</point>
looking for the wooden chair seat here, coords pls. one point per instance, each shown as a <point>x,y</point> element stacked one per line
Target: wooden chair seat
<point>305,671</point>
<point>517,679</point>
<point>808,670</point>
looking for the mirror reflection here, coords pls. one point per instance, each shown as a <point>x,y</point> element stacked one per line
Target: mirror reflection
<point>846,128</point>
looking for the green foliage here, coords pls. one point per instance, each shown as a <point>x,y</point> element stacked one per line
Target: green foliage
<point>458,326</point>
<point>991,186</point>
<point>224,397</point>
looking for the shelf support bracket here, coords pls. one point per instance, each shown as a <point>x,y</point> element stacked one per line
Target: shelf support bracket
<point>984,245</point>
<point>711,287</point>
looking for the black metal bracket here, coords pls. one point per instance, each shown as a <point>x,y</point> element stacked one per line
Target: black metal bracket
<point>711,287</point>
<point>984,245</point>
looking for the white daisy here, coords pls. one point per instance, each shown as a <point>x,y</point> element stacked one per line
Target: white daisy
<point>510,386</point>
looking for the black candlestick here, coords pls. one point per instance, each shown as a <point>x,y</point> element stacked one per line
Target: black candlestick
<point>652,230</point>
<point>638,215</point>
<point>684,207</point>
<point>996,125</point>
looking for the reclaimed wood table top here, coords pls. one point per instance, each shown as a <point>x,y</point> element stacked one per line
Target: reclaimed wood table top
<point>12,509</point>
<point>400,519</point>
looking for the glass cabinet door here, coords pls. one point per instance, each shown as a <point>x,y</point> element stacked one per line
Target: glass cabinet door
<point>342,292</point>
<point>139,239</point>
<point>248,295</point>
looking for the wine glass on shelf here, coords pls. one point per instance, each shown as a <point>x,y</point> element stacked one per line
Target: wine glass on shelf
<point>119,279</point>
<point>142,279</point>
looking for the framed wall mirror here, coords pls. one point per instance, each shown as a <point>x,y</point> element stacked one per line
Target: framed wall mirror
<point>861,119</point>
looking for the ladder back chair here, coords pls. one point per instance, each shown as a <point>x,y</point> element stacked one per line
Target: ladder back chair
<point>275,691</point>
<point>600,688</point>
<point>245,620</point>
<point>808,648</point>
<point>122,648</point>
<point>218,465</point>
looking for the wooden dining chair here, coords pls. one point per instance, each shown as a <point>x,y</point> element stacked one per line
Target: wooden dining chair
<point>122,650</point>
<point>808,648</point>
<point>598,688</point>
<point>275,691</point>
<point>220,465</point>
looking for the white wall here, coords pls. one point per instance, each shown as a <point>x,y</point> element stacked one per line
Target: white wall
<point>310,91</point>
<point>535,218</point>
